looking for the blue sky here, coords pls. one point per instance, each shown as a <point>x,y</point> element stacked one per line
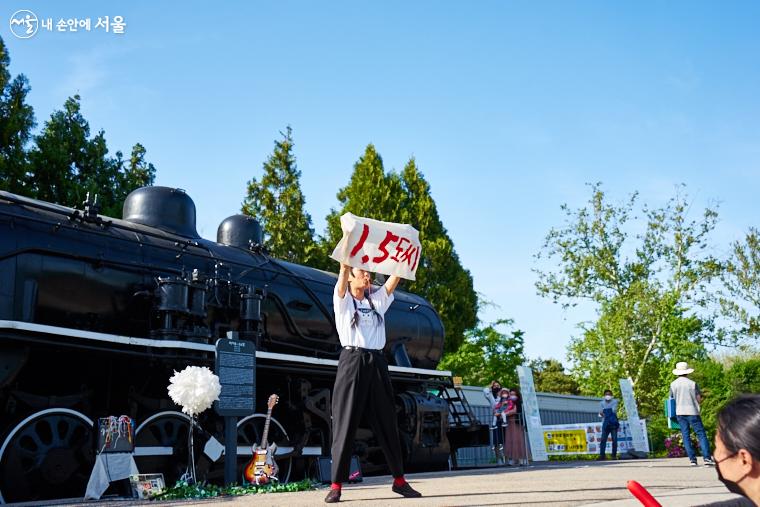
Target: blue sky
<point>509,109</point>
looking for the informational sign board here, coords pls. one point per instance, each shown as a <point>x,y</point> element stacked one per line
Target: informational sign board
<point>532,416</point>
<point>586,438</point>
<point>639,436</point>
<point>236,368</point>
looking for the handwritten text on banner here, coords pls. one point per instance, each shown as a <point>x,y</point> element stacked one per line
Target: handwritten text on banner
<point>380,247</point>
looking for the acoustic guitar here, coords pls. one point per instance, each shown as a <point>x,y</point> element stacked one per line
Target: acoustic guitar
<point>262,469</point>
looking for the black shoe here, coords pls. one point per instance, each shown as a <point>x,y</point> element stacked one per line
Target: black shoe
<point>406,491</point>
<point>333,496</point>
<point>601,458</point>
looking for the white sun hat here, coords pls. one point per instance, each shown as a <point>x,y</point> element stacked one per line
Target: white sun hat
<point>682,368</point>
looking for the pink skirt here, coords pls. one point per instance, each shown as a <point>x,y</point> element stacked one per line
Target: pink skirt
<point>514,440</point>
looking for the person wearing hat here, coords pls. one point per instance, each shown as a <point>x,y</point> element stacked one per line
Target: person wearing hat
<point>688,397</point>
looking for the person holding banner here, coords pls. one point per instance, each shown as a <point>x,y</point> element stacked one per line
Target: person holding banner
<point>362,380</point>
<point>610,424</point>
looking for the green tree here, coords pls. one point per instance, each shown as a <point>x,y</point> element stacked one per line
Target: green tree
<point>488,354</point>
<point>370,193</point>
<point>647,288</point>
<point>16,124</point>
<point>406,198</point>
<point>66,164</point>
<point>440,277</point>
<point>550,376</point>
<point>740,297</point>
<point>279,205</point>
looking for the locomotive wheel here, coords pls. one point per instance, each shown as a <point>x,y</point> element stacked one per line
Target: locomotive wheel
<point>161,445</point>
<point>250,430</point>
<point>47,455</point>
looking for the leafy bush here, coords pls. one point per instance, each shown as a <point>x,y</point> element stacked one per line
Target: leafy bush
<point>182,490</point>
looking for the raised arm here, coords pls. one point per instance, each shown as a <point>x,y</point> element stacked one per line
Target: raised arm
<point>342,284</point>
<point>391,283</point>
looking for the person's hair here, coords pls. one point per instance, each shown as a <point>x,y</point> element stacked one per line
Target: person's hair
<point>738,424</point>
<point>494,382</point>
<point>607,391</point>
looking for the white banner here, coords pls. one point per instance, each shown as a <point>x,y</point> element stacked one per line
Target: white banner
<point>586,438</point>
<point>380,247</point>
<point>531,413</point>
<point>639,437</point>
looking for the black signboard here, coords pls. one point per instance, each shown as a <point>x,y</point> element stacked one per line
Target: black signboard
<point>236,368</point>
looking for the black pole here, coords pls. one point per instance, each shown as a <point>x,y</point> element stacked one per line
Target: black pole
<point>230,450</point>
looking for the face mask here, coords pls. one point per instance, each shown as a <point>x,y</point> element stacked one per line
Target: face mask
<point>608,397</point>
<point>732,486</point>
<point>513,398</point>
<point>504,397</point>
<point>496,390</point>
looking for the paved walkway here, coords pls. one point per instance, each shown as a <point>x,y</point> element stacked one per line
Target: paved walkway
<point>672,481</point>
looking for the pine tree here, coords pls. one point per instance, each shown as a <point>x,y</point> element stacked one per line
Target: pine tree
<point>371,193</point>
<point>406,198</point>
<point>66,164</point>
<point>440,277</point>
<point>279,205</point>
<point>16,124</point>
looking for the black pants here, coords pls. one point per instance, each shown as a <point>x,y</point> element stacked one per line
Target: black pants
<point>607,430</point>
<point>361,383</point>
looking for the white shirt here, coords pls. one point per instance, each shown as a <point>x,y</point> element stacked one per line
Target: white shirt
<point>370,332</point>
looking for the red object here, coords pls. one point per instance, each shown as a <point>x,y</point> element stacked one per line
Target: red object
<point>642,494</point>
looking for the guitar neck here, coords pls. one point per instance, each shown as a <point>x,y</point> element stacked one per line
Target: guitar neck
<point>266,429</point>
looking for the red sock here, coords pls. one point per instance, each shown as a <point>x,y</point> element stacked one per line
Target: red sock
<point>399,481</point>
<point>335,485</point>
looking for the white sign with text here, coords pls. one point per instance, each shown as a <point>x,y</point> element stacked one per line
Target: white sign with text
<point>379,247</point>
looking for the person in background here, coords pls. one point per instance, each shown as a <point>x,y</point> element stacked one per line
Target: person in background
<point>497,429</point>
<point>504,405</point>
<point>514,437</point>
<point>737,447</point>
<point>610,424</point>
<point>688,397</point>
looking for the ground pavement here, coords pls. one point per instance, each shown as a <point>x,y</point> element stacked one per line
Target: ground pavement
<point>603,484</point>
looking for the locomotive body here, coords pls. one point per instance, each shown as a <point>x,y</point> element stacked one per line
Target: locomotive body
<point>96,313</point>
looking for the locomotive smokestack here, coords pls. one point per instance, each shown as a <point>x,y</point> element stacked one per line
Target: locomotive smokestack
<point>241,231</point>
<point>168,209</point>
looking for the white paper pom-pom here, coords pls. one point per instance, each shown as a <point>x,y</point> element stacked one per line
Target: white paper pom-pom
<point>195,388</point>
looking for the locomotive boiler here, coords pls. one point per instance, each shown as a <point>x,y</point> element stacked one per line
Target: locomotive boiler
<point>96,313</point>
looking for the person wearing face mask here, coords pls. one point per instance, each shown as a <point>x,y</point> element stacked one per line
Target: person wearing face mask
<point>737,447</point>
<point>610,424</point>
<point>497,429</point>
<point>514,436</point>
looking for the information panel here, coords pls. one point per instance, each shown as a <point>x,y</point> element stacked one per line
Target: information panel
<point>639,437</point>
<point>532,416</point>
<point>236,368</point>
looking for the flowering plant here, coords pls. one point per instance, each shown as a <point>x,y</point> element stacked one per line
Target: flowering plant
<point>674,445</point>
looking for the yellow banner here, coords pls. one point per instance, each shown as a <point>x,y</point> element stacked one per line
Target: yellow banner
<point>565,441</point>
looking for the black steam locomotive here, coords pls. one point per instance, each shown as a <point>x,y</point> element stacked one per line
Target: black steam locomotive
<point>96,313</point>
